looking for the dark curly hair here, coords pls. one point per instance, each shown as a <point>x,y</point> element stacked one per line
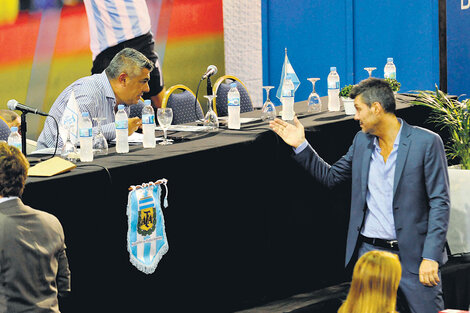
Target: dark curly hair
<point>13,171</point>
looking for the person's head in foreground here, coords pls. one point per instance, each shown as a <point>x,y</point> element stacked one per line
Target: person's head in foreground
<point>13,171</point>
<point>374,284</point>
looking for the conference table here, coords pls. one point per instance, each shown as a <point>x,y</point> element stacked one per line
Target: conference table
<point>245,224</point>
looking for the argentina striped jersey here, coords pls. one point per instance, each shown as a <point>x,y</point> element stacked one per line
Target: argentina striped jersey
<point>113,21</point>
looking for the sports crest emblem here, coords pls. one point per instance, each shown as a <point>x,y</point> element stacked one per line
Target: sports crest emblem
<point>146,237</point>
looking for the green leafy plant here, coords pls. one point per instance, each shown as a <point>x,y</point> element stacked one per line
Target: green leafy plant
<point>453,115</point>
<point>345,91</point>
<point>394,84</point>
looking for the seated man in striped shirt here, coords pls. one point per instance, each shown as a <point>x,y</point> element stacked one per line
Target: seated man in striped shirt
<point>123,82</point>
<point>118,24</point>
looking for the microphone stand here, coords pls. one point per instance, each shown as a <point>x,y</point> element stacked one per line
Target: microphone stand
<point>23,132</point>
<point>209,86</point>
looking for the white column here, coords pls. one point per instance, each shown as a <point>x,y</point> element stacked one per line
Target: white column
<point>243,48</point>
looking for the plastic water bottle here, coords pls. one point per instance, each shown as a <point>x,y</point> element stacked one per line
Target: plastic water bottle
<point>333,90</point>
<point>287,100</point>
<point>233,102</point>
<point>390,70</point>
<point>14,139</point>
<point>85,132</point>
<point>122,124</point>
<point>148,125</point>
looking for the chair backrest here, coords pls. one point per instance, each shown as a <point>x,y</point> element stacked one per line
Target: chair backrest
<point>182,104</point>
<point>221,88</point>
<point>135,110</point>
<point>4,130</point>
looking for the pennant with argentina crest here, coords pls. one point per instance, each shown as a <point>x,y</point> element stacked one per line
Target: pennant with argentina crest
<point>287,73</point>
<point>146,237</point>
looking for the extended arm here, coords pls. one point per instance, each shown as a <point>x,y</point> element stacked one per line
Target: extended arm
<point>328,175</point>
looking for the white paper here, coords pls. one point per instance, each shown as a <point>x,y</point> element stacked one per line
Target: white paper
<point>186,128</point>
<point>243,120</point>
<point>137,138</point>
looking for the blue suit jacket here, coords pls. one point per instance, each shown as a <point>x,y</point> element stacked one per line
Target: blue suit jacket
<point>420,192</point>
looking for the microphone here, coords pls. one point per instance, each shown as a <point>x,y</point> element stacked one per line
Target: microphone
<point>211,70</point>
<point>14,105</point>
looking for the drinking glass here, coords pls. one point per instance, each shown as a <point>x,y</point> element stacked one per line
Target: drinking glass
<point>314,101</point>
<point>211,119</point>
<point>370,70</point>
<point>69,151</point>
<point>164,117</point>
<point>268,112</point>
<point>100,144</point>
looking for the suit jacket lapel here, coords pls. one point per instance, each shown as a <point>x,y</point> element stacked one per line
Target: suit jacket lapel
<point>366,164</point>
<point>403,149</point>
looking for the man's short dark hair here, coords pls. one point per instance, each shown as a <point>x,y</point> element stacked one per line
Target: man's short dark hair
<point>375,90</point>
<point>13,171</point>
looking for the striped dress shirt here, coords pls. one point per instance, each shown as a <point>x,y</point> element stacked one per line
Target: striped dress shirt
<point>113,21</point>
<point>95,96</point>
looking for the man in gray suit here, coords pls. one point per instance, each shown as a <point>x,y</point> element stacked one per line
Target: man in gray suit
<point>33,263</point>
<point>400,190</point>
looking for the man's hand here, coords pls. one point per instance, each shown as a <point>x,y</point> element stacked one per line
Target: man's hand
<point>293,135</point>
<point>428,273</point>
<point>133,124</point>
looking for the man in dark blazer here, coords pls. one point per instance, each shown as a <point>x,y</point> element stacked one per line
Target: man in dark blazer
<point>33,263</point>
<point>400,190</point>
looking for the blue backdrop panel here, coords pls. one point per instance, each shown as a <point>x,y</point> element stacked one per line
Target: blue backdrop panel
<point>314,33</point>
<point>458,47</point>
<point>351,35</point>
<point>407,31</point>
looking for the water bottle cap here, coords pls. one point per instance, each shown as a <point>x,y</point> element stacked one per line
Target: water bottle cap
<point>333,69</point>
<point>389,60</point>
<point>147,102</point>
<point>14,129</point>
<point>233,85</point>
<point>121,107</point>
<point>85,114</point>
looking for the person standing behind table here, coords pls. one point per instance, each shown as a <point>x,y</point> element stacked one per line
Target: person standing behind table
<point>33,263</point>
<point>400,190</point>
<point>374,284</point>
<point>123,82</point>
<point>118,24</point>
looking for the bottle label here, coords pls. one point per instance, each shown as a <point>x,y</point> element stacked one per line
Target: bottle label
<point>234,101</point>
<point>85,132</point>
<point>333,85</point>
<point>16,145</point>
<point>148,119</point>
<point>391,75</point>
<point>286,92</point>
<point>122,124</point>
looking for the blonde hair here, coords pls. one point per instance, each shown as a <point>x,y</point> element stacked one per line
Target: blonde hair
<point>374,284</point>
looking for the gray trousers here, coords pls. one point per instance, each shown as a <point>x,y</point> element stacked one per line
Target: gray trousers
<point>420,298</point>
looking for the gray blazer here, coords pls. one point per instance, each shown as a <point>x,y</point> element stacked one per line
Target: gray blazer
<point>33,263</point>
<point>421,201</point>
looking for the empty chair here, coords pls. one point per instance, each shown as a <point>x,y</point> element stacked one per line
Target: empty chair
<point>221,88</point>
<point>4,130</point>
<point>182,104</point>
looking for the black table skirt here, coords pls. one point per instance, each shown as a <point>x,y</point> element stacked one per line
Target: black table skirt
<point>245,224</point>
